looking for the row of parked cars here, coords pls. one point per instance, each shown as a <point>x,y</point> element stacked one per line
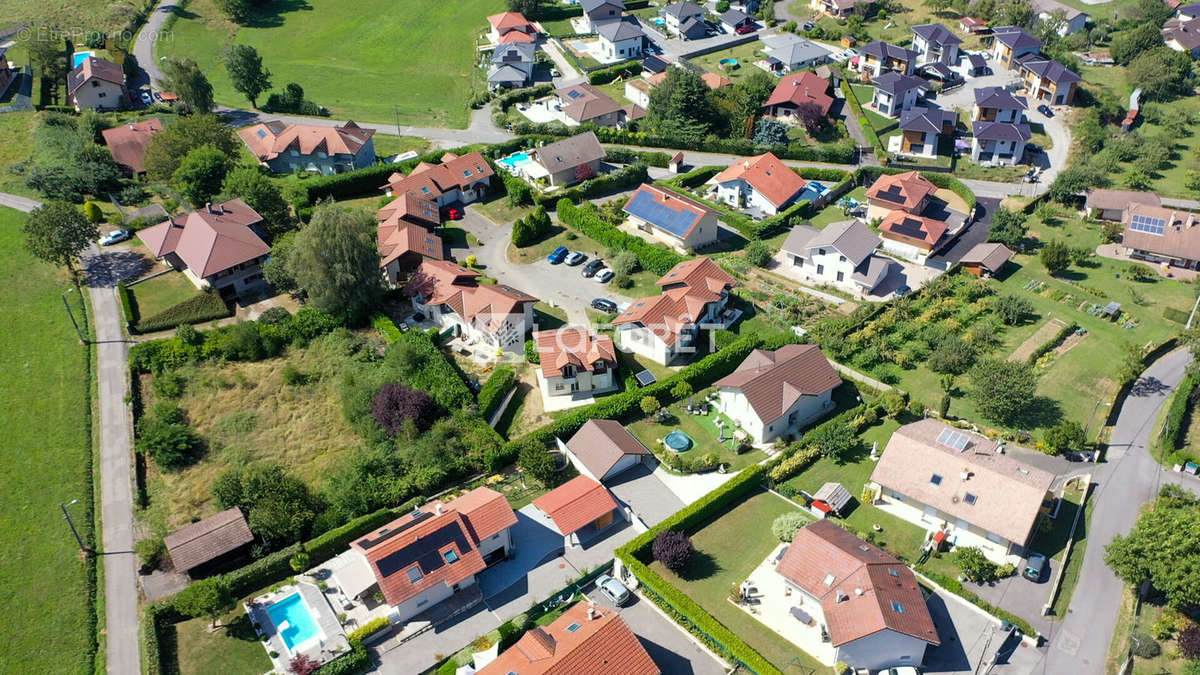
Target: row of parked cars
<point>593,270</point>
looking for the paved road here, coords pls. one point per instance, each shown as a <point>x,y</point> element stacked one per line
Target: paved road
<point>116,476</point>
<point>1079,644</point>
<point>672,649</point>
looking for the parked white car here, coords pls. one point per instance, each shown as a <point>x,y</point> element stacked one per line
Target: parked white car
<point>612,589</point>
<point>604,276</point>
<point>114,237</point>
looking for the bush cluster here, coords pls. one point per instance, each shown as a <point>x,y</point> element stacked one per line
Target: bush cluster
<point>659,160</point>
<point>606,75</point>
<point>817,443</point>
<point>606,183</point>
<point>201,307</point>
<point>657,259</point>
<point>495,389</point>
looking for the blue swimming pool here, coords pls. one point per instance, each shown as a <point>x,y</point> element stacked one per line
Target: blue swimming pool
<point>293,620</point>
<point>79,57</point>
<point>678,441</point>
<point>514,160</point>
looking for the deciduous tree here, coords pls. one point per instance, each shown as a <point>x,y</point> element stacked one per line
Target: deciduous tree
<point>1012,309</point>
<point>1055,256</point>
<point>1065,436</point>
<point>673,549</point>
<point>1164,536</point>
<point>247,72</point>
<point>57,232</point>
<point>278,506</point>
<point>166,149</point>
<point>262,194</point>
<point>187,80</point>
<point>201,174</point>
<point>1008,227</point>
<point>682,107</point>
<point>336,262</point>
<point>209,597</point>
<point>394,404</point>
<point>1161,73</point>
<point>1003,390</point>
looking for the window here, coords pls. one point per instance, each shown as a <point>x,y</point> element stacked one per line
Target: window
<point>829,578</point>
<point>893,572</point>
<point>798,261</point>
<point>496,536</point>
<point>422,602</point>
<point>970,498</point>
<point>820,269</point>
<point>414,574</point>
<point>935,479</point>
<point>841,276</point>
<point>820,251</point>
<point>450,555</point>
<point>841,258</point>
<point>102,94</point>
<point>897,607</point>
<point>573,627</point>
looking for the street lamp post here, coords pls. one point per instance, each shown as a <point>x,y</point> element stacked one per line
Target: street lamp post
<point>67,515</point>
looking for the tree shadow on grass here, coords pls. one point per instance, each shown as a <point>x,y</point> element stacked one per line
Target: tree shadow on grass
<point>1042,412</point>
<point>241,628</point>
<point>701,566</point>
<point>271,15</point>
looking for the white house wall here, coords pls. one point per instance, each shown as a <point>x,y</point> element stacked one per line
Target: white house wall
<point>883,649</point>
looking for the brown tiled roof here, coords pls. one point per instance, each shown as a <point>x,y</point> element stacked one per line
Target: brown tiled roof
<point>699,273</point>
<point>800,88</point>
<point>715,81</point>
<point>1180,237</point>
<point>1109,200</point>
<point>600,444</point>
<point>209,240</point>
<point>1008,493</point>
<point>506,21</point>
<point>272,139</point>
<point>768,175</point>
<point>919,231</point>
<point>573,345</point>
<point>441,281</point>
<point>94,68</point>
<point>127,143</point>
<point>208,539</point>
<point>772,382</point>
<point>397,238</point>
<point>568,153</point>
<point>688,288</point>
<point>430,181</point>
<point>862,590</point>
<point>583,102</point>
<point>900,191</point>
<point>600,645</point>
<point>413,209</point>
<point>576,503</point>
<point>990,256</point>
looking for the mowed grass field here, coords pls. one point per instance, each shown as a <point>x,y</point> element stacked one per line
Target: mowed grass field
<point>71,15</point>
<point>45,422</point>
<point>371,61</point>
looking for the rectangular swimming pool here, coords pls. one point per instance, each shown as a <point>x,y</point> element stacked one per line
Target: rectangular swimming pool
<point>294,621</point>
<point>80,57</point>
<point>514,160</point>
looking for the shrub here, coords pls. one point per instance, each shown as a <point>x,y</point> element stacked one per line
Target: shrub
<point>1174,425</point>
<point>1144,645</point>
<point>1064,436</point>
<point>531,352</point>
<point>649,404</point>
<point>300,562</point>
<point>1189,641</point>
<point>1012,309</point>
<point>758,253</point>
<point>91,211</point>
<point>173,446</point>
<point>495,389</point>
<point>394,404</point>
<point>673,549</point>
<point>204,306</point>
<point>169,385</point>
<point>952,355</point>
<point>786,525</point>
<point>292,376</point>
<point>974,564</point>
<point>150,551</point>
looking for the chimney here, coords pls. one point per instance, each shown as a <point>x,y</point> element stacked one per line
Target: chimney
<point>208,207</point>
<point>858,591</point>
<point>591,611</point>
<point>1191,220</point>
<point>965,473</point>
<point>439,508</point>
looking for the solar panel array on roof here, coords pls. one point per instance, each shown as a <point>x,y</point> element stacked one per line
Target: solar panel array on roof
<point>385,534</point>
<point>426,551</point>
<point>677,222</point>
<point>646,378</point>
<point>1148,224</point>
<point>891,194</point>
<point>950,438</point>
<point>574,93</point>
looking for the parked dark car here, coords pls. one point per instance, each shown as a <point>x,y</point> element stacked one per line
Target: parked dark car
<point>604,305</point>
<point>590,269</point>
<point>1045,110</point>
<point>1035,566</point>
<point>558,255</point>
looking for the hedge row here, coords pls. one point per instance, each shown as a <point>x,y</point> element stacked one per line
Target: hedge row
<point>956,587</point>
<point>865,175</point>
<point>626,156</point>
<point>657,259</point>
<point>522,95</point>
<point>798,459</point>
<point>157,617</point>
<point>613,181</point>
<point>634,553</point>
<point>695,177</point>
<point>1172,433</point>
<point>868,130</point>
<point>606,75</point>
<point>204,306</point>
<point>128,308</point>
<point>493,391</point>
<point>1046,346</point>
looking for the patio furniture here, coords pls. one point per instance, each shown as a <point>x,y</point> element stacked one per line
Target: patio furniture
<point>801,616</point>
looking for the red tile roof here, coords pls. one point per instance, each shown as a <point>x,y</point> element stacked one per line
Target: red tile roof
<point>687,290</point>
<point>772,382</point>
<point>207,539</point>
<point>127,143</point>
<point>405,225</point>
<point>430,181</point>
<point>506,21</point>
<point>700,273</point>
<point>440,281</point>
<point>901,191</point>
<point>421,539</point>
<point>862,590</point>
<point>576,503</point>
<point>601,644</point>
<point>715,81</point>
<point>209,240</point>
<point>801,88</point>
<point>768,175</point>
<point>268,141</point>
<point>922,232</point>
<point>573,345</point>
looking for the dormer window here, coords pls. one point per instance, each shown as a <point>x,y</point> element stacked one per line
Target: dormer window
<point>935,479</point>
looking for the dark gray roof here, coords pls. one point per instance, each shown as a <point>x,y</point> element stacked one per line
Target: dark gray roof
<point>693,27</point>
<point>569,152</point>
<point>895,84</point>
<point>1016,37</point>
<point>682,10</point>
<point>655,64</point>
<point>1051,70</point>
<point>589,5</point>
<point>871,271</point>
<point>508,73</point>
<point>794,49</point>
<point>977,60</point>
<point>999,97</point>
<point>937,69</point>
<point>928,120</point>
<point>883,50</point>
<point>1001,131</point>
<point>516,52</point>
<point>797,240</point>
<point>936,32</point>
<point>1190,10</point>
<point>735,17</point>
<point>626,28</point>
<point>850,237</point>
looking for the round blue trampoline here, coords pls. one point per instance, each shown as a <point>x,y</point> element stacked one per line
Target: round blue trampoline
<point>678,441</point>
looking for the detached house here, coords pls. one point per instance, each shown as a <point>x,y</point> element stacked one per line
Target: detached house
<point>1000,129</point>
<point>570,160</point>
<point>622,39</point>
<point>1111,204</point>
<point>96,84</point>
<point>909,192</point>
<point>512,65</point>
<point>895,92</point>
<point>1011,43</point>
<point>127,143</point>
<point>575,362</point>
<point>216,247</point>
<point>603,449</point>
<point>435,552</point>
<point>601,11</point>
<point>879,57</point>
<point>670,218</point>
<point>454,179</point>
<point>685,18</point>
<point>913,223</point>
<point>1160,235</point>
<point>869,603</point>
<point>795,52</point>
<point>934,43</point>
<point>733,19</point>
<point>796,92</point>
<point>774,394</point>
<point>837,8</point>
<point>585,104</point>
<point>510,28</point>
<point>405,236</point>
<point>1049,81</point>
<point>961,484</point>
<point>921,130</point>
<point>1073,20</point>
<point>912,237</point>
<point>452,297</point>
<point>1182,32</point>
<point>763,183</point>
<point>285,148</point>
<point>842,254</point>
<point>666,327</point>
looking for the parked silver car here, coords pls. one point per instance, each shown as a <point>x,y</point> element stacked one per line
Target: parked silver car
<point>612,589</point>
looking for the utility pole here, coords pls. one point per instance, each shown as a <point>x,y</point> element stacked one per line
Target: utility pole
<point>71,314</point>
<point>67,515</point>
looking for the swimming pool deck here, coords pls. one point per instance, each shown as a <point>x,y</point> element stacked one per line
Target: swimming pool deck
<point>329,645</point>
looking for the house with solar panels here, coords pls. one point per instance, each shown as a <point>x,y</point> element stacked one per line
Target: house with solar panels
<point>669,218</point>
<point>1162,236</point>
<point>963,488</point>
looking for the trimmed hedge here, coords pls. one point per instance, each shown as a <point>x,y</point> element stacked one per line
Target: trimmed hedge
<point>1172,433</point>
<point>606,75</point>
<point>614,181</point>
<point>156,618</point>
<point>1046,346</point>
<point>204,306</point>
<point>657,259</point>
<point>522,95</point>
<point>492,394</point>
<point>659,160</point>
<point>802,456</point>
<point>864,123</point>
<point>955,587</point>
<point>128,307</point>
<point>695,177</point>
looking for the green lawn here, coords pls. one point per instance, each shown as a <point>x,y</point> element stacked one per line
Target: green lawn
<point>500,212</point>
<point>87,15</point>
<point>233,649</point>
<point>46,423</point>
<point>387,145</point>
<point>727,551</point>
<point>703,433</point>
<point>162,292</point>
<point>1070,574</point>
<point>632,364</point>
<point>745,55</point>
<point>372,61</point>
<point>15,125</point>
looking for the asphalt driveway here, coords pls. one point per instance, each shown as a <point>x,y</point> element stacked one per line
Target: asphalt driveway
<point>640,490</point>
<point>668,645</point>
<point>535,544</point>
<point>969,638</point>
<point>977,233</point>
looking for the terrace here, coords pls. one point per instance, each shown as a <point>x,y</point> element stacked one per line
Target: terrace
<point>772,602</point>
<point>704,431</point>
<point>297,619</point>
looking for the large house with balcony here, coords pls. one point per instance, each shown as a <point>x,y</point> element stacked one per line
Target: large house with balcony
<point>879,57</point>
<point>670,218</point>
<point>1049,81</point>
<point>666,328</point>
<point>922,128</point>
<point>796,92</point>
<point>598,12</point>
<point>1160,235</point>
<point>511,28</point>
<point>570,160</point>
<point>963,485</point>
<point>454,179</point>
<point>934,43</point>
<point>842,255</point>
<point>622,39</point>
<point>96,84</point>
<point>773,395</point>
<point>575,363</point>
<point>999,127</point>
<point>405,236</point>
<point>286,148</point>
<point>1011,43</point>
<point>763,183</point>
<point>512,65</point>
<point>452,297</point>
<point>895,93</point>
